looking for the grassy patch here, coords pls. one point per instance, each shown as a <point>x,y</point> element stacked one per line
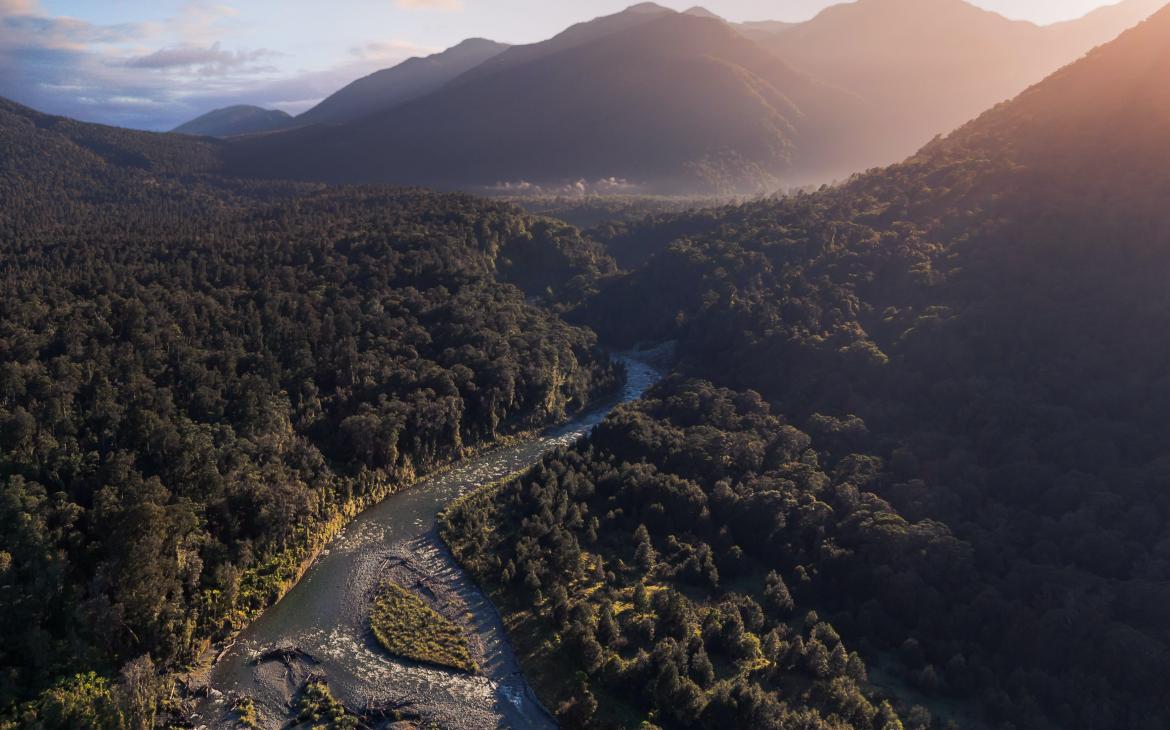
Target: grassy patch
<point>319,709</point>
<point>245,710</point>
<point>406,626</point>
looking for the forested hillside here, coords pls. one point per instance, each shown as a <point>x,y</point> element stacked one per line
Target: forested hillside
<point>965,473</point>
<point>201,379</point>
<point>659,553</point>
<point>235,120</point>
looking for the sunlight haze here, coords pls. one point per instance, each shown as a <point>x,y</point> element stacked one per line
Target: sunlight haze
<point>154,65</point>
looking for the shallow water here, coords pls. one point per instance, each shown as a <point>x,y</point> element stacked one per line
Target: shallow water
<point>325,614</point>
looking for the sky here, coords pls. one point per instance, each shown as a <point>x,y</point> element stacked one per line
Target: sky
<point>153,64</point>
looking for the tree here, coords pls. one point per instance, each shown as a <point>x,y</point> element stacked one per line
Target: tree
<point>644,554</point>
<point>579,709</point>
<point>776,596</point>
<point>641,598</point>
<point>701,669</point>
<point>608,631</point>
<point>140,691</point>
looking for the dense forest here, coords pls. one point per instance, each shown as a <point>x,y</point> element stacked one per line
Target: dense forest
<point>201,379</point>
<point>966,473</point>
<point>911,472</point>
<point>680,557</point>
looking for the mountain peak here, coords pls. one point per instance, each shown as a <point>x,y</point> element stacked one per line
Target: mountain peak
<point>235,120</point>
<point>399,84</point>
<point>469,43</point>
<point>647,7</point>
<point>701,12</point>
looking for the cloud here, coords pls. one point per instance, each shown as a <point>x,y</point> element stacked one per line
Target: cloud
<point>35,30</point>
<point>396,49</point>
<point>160,74</point>
<point>104,73</point>
<point>205,60</point>
<point>446,6</point>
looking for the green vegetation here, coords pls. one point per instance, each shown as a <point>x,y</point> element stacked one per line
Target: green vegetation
<point>245,710</point>
<point>84,700</point>
<point>318,709</point>
<point>407,627</point>
<point>929,406</point>
<point>201,380</point>
<point>912,472</point>
<point>644,571</point>
<point>89,700</point>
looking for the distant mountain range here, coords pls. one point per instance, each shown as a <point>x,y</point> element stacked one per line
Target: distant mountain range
<point>233,120</point>
<point>673,101</point>
<point>653,100</point>
<point>408,80</point>
<point>928,66</point>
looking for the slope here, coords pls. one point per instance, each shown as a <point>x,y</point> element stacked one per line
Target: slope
<point>930,65</point>
<point>572,37</point>
<point>972,337</point>
<point>408,80</point>
<point>675,103</point>
<point>234,120</point>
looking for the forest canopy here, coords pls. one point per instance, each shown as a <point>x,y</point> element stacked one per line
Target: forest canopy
<point>201,379</point>
<point>944,431</point>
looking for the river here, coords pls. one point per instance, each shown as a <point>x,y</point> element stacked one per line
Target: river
<point>325,614</point>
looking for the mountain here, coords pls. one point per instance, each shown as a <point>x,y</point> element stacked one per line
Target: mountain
<point>1103,24</point>
<point>408,80</point>
<point>701,12</point>
<point>32,142</point>
<point>968,349</point>
<point>927,66</point>
<point>234,120</point>
<point>572,37</point>
<point>1088,148</point>
<point>671,101</point>
<point>657,101</point>
<point>763,30</point>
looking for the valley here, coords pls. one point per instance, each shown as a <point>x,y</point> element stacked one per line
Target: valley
<point>334,409</point>
<point>326,615</point>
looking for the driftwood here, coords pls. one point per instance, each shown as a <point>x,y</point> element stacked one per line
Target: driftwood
<point>423,579</point>
<point>286,655</point>
<point>388,710</point>
<point>228,647</point>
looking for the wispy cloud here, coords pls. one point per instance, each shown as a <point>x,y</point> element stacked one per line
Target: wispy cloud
<point>204,60</point>
<point>160,74</point>
<point>397,49</point>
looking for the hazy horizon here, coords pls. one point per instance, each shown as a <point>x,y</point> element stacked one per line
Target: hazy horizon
<point>156,65</point>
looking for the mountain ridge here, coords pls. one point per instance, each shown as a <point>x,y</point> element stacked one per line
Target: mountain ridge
<point>962,60</point>
<point>411,79</point>
<point>673,101</point>
<point>235,120</point>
